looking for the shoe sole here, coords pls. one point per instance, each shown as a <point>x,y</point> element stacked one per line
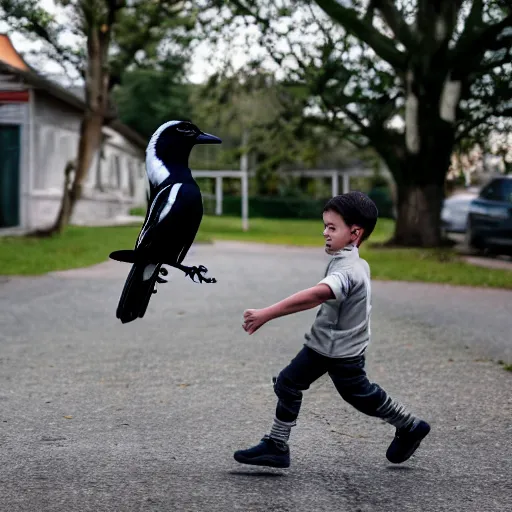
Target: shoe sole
<point>411,451</point>
<point>408,454</point>
<point>261,461</point>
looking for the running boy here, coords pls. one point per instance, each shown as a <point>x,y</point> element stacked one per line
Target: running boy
<point>337,341</point>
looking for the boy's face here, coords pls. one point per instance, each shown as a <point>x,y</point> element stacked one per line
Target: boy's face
<point>337,234</point>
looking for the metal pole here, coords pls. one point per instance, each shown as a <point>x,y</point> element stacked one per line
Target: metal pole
<point>244,169</point>
<point>346,183</point>
<point>334,183</point>
<point>218,195</point>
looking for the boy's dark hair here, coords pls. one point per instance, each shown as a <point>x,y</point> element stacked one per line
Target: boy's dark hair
<point>355,208</point>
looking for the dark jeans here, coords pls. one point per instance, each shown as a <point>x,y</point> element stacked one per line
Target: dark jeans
<point>349,377</point>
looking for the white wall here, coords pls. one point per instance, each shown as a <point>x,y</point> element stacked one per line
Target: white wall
<point>110,189</point>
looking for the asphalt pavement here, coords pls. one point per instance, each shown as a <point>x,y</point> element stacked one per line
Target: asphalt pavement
<point>100,416</point>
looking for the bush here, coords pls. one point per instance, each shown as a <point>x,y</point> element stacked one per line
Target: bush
<point>274,207</point>
<point>381,196</point>
<point>278,207</point>
<point>292,207</point>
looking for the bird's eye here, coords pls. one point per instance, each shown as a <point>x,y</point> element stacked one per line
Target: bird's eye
<point>188,132</point>
<point>186,128</point>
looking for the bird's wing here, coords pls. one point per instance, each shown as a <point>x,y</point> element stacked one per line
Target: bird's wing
<point>173,223</point>
<point>186,245</point>
<point>159,209</point>
<point>190,229</point>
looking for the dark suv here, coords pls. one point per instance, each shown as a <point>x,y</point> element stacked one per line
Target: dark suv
<point>489,224</point>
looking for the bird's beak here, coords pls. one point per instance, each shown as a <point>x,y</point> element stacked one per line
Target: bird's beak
<point>206,138</point>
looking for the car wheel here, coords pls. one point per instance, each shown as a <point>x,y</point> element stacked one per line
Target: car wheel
<point>471,241</point>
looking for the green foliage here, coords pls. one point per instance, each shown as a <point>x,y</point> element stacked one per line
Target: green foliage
<point>411,79</point>
<point>252,104</point>
<point>306,233</point>
<point>381,196</point>
<point>139,32</point>
<point>153,35</point>
<point>273,207</point>
<point>75,247</point>
<point>271,115</point>
<point>351,59</point>
<point>147,98</point>
<point>276,207</point>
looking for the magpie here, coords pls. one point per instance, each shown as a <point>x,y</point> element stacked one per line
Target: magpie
<point>175,211</point>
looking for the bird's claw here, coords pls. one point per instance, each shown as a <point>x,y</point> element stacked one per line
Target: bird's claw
<point>161,280</point>
<point>192,272</point>
<point>163,272</point>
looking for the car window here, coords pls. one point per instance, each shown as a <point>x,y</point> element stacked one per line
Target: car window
<point>498,190</point>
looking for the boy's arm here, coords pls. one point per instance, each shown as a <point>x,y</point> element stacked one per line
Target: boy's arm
<point>300,301</point>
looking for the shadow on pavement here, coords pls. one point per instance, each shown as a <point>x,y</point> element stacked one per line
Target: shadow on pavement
<point>263,474</point>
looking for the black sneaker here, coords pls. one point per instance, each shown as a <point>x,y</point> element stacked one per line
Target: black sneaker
<point>406,441</point>
<point>267,453</point>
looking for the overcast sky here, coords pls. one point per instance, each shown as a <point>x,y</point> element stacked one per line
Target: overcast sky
<point>200,68</point>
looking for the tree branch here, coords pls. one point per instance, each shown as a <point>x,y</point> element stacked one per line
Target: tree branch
<point>383,46</point>
<point>113,7</point>
<point>395,22</point>
<point>483,120</point>
<point>467,129</point>
<point>370,12</point>
<point>475,17</point>
<point>344,109</point>
<point>342,130</point>
<point>245,10</point>
<point>488,65</point>
<point>32,20</point>
<point>483,39</point>
<point>355,119</point>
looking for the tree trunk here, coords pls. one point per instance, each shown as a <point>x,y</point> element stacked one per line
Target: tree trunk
<point>96,98</point>
<point>420,181</point>
<point>418,216</point>
<point>90,136</point>
<point>65,208</point>
<point>420,158</point>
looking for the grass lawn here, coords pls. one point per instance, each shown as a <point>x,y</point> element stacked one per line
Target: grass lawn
<point>76,247</point>
<point>275,231</point>
<point>81,246</point>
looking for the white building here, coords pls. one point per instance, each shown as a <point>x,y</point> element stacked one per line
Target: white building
<point>39,134</point>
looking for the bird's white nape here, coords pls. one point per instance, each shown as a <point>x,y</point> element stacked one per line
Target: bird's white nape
<point>159,130</point>
<point>155,168</point>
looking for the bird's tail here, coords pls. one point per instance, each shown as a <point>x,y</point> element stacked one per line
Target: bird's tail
<point>137,291</point>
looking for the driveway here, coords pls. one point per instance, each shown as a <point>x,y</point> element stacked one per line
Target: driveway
<point>100,416</point>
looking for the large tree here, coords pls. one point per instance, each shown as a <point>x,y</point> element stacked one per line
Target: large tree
<point>410,78</point>
<point>112,35</point>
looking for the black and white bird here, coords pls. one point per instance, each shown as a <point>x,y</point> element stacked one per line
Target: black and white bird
<point>175,211</point>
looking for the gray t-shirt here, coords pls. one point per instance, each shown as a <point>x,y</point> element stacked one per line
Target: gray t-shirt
<point>342,325</point>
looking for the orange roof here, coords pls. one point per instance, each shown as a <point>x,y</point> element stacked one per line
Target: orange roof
<point>9,55</point>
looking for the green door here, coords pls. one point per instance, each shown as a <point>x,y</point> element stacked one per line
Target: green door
<point>9,176</point>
